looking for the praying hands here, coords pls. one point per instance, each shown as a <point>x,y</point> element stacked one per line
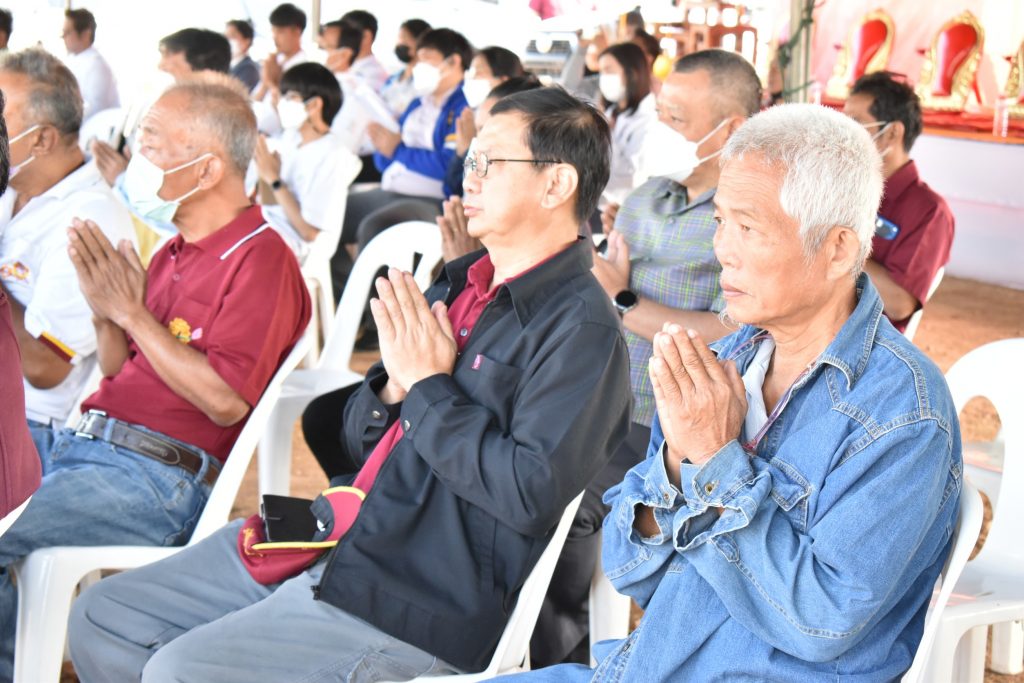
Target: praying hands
<point>113,281</point>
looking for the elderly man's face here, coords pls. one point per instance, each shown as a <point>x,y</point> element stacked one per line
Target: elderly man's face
<point>164,139</point>
<point>765,277</point>
<point>510,193</point>
<point>685,103</point>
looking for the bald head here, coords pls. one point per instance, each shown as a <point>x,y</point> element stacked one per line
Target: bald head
<point>735,87</point>
<point>217,118</point>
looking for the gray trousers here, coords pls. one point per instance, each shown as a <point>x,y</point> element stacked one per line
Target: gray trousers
<point>199,616</point>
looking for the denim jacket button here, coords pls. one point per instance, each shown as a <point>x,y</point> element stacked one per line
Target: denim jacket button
<point>666,497</point>
<point>710,487</point>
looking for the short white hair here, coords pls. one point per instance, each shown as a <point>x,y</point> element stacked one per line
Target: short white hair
<point>832,171</point>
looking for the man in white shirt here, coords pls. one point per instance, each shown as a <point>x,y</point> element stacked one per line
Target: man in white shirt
<point>287,22</point>
<point>95,79</point>
<point>50,185</point>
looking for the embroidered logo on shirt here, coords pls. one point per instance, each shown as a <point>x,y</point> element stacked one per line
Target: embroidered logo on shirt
<point>14,271</point>
<point>181,330</point>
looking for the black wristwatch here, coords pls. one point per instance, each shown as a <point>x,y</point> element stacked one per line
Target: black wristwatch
<point>625,301</point>
<point>276,185</point>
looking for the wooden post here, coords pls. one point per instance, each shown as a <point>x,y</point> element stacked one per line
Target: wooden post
<point>315,15</point>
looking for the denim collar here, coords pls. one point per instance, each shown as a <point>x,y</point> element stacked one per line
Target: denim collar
<point>848,351</point>
<point>531,290</point>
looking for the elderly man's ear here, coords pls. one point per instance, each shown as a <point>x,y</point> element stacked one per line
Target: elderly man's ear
<point>211,171</point>
<point>841,248</point>
<point>561,186</point>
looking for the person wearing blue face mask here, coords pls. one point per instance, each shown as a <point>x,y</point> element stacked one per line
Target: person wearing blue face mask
<point>186,346</point>
<point>51,185</point>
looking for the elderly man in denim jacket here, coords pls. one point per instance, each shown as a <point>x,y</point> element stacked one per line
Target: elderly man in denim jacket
<point>800,489</point>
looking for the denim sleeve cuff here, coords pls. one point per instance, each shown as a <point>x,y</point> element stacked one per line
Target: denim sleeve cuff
<point>722,497</point>
<point>652,489</point>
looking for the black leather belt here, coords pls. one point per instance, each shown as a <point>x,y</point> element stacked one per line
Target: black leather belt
<point>93,425</point>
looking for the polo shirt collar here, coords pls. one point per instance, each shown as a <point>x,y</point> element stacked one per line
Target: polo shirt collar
<point>671,188</point>
<point>223,242</point>
<point>851,348</point>
<point>532,289</point>
<point>83,176</point>
<point>899,181</point>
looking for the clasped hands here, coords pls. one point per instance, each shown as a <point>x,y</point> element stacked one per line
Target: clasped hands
<point>416,340</point>
<point>701,402</point>
<point>113,281</point>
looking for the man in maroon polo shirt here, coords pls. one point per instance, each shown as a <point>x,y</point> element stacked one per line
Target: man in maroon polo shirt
<point>915,226</point>
<point>186,348</point>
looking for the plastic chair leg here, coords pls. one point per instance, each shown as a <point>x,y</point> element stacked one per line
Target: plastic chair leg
<point>1008,648</point>
<point>45,590</point>
<point>275,449</point>
<point>969,657</point>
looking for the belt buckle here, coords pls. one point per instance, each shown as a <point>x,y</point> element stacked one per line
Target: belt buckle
<point>85,421</point>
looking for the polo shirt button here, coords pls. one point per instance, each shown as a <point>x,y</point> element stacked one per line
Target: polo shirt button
<point>710,487</point>
<point>176,277</point>
<point>463,332</point>
<point>406,425</point>
<point>376,414</point>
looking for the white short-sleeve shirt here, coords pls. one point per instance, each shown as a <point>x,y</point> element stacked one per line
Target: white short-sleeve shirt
<point>317,174</point>
<point>95,80</point>
<point>38,273</point>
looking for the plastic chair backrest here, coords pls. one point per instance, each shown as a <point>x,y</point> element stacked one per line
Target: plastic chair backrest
<point>397,247</point>
<point>996,372</point>
<point>222,497</point>
<point>965,536</point>
<point>915,319</point>
<point>105,126</point>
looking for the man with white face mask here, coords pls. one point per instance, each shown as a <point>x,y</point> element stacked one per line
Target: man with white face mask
<point>50,186</point>
<point>659,267</point>
<point>186,346</point>
<point>915,226</point>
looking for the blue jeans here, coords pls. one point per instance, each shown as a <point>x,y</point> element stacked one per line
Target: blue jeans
<point>95,493</point>
<point>43,436</point>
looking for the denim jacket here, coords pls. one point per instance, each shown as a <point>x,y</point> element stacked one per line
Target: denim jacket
<point>833,533</point>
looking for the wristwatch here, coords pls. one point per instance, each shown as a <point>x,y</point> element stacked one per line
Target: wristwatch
<point>276,185</point>
<point>625,301</point>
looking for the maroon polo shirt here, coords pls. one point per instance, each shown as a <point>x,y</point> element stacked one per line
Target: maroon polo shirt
<point>236,296</point>
<point>19,462</point>
<point>926,234</point>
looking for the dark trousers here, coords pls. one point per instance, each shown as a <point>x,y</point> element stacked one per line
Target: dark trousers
<point>323,426</point>
<point>562,632</point>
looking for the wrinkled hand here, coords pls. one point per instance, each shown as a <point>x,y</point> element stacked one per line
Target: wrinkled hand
<point>465,131</point>
<point>455,238</point>
<point>268,164</point>
<point>109,161</point>
<point>701,402</point>
<point>612,270</point>
<point>384,140</point>
<point>113,281</point>
<point>270,73</point>
<point>608,217</point>
<point>416,341</point>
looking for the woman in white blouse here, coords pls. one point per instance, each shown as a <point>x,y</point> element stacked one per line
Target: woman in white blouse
<point>625,83</point>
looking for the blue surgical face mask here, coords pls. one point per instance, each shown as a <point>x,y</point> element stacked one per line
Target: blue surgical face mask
<point>142,182</point>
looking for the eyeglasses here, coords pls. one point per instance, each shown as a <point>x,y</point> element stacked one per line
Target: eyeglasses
<point>479,162</point>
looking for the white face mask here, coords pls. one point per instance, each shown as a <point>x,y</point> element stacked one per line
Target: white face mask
<point>18,168</point>
<point>292,114</point>
<point>666,152</point>
<point>874,138</point>
<point>425,78</point>
<point>611,86</point>
<point>476,91</point>
<point>142,183</point>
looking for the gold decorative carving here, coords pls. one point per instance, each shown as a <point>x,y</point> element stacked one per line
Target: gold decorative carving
<point>963,79</point>
<point>838,87</point>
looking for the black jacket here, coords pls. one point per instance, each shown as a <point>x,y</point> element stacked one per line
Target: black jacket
<point>466,502</point>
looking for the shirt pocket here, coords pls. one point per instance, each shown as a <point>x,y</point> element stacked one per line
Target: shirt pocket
<point>188,321</point>
<point>492,385</point>
<point>791,492</point>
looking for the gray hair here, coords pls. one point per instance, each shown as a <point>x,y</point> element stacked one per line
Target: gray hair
<point>735,87</point>
<point>833,173</point>
<point>54,98</point>
<point>220,107</point>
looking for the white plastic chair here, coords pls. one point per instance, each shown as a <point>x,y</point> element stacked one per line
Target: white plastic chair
<point>8,519</point>
<point>609,610</point>
<point>47,578</point>
<point>397,246</point>
<point>513,650</point>
<point>965,536</point>
<point>316,268</point>
<point>915,319</point>
<point>104,126</point>
<point>991,589</point>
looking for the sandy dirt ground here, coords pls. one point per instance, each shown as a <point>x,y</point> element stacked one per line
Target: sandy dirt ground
<point>961,316</point>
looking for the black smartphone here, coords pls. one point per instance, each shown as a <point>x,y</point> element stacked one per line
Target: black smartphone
<point>287,519</point>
